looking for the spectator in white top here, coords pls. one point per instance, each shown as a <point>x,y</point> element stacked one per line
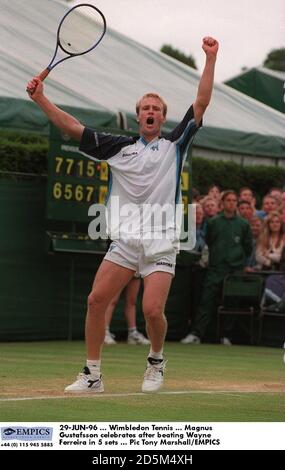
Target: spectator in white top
<point>270,243</point>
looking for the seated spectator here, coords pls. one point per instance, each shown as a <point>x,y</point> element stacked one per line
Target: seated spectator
<point>270,243</point>
<point>274,294</point>
<point>274,290</point>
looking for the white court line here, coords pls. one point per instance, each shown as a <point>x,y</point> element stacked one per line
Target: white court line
<point>139,394</point>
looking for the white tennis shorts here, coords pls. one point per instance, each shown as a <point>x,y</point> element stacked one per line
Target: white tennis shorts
<point>144,257</point>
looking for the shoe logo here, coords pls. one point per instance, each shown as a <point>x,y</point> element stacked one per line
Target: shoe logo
<point>153,361</point>
<point>92,382</point>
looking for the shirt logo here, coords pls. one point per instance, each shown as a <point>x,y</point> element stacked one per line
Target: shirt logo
<point>96,139</point>
<point>132,154</point>
<point>154,147</point>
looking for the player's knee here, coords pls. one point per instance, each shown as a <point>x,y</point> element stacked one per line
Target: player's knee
<point>95,299</point>
<point>113,303</point>
<point>153,312</point>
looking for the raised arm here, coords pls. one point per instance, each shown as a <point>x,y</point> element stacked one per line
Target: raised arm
<point>59,118</point>
<point>210,47</point>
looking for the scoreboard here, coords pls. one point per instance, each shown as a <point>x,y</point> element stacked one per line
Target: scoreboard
<point>74,181</point>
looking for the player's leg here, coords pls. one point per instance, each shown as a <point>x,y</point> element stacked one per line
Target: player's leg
<point>109,281</point>
<point>110,337</point>
<point>131,294</point>
<point>156,289</point>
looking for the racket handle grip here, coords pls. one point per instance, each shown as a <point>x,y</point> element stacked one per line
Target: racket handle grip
<point>41,76</point>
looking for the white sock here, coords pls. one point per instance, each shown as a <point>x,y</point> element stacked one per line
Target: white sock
<point>156,355</point>
<point>94,366</point>
<point>131,331</point>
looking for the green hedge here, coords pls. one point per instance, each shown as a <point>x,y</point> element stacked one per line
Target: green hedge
<point>27,153</point>
<point>24,153</point>
<point>229,175</point>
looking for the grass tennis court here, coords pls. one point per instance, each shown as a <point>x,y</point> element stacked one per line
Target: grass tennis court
<point>203,383</point>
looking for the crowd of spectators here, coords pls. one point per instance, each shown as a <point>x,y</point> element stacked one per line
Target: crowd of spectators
<point>233,235</point>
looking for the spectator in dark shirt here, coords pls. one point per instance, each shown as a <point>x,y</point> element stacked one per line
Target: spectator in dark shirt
<point>229,240</point>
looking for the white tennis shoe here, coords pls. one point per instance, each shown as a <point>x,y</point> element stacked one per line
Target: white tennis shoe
<point>137,338</point>
<point>154,375</point>
<point>191,339</point>
<point>86,383</point>
<point>109,338</point>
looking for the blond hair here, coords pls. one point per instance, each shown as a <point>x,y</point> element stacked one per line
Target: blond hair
<point>265,234</point>
<point>152,95</point>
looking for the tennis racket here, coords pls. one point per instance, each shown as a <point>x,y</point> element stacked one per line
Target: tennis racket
<point>80,31</point>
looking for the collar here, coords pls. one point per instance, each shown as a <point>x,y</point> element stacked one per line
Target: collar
<point>228,218</point>
<point>145,143</point>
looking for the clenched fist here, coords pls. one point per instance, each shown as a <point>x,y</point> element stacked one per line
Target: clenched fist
<point>210,46</point>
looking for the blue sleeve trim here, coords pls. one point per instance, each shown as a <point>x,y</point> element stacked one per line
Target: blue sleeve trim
<point>179,162</point>
<point>110,184</point>
<point>184,132</point>
<point>102,146</point>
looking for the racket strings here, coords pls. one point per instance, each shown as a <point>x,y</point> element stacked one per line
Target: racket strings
<point>76,35</point>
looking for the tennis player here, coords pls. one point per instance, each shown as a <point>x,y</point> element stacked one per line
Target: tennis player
<point>145,173</point>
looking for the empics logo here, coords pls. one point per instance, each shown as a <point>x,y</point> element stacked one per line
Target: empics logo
<point>27,434</point>
<point>9,431</point>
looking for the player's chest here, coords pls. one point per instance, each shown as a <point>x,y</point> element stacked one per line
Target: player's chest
<point>144,158</point>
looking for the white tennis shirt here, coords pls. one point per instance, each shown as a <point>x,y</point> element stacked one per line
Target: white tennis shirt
<point>143,175</point>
